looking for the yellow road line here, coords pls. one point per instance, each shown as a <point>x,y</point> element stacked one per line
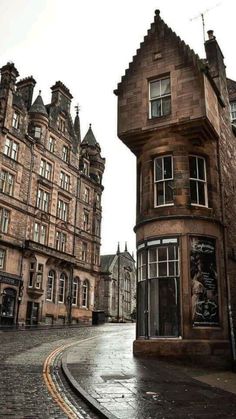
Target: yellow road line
<point>49,382</point>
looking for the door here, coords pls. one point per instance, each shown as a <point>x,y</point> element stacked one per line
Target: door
<point>7,314</point>
<point>32,314</point>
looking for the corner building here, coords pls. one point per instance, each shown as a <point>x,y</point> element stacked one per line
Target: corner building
<point>50,207</point>
<point>174,115</point>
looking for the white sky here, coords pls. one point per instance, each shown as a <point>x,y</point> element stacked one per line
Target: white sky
<point>87,44</point>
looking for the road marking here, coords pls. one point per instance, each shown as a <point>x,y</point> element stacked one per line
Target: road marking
<point>49,381</point>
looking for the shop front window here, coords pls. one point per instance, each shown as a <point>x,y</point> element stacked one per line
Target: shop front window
<point>158,294</point>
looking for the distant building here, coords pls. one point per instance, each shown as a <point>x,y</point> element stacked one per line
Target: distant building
<point>174,114</point>
<point>50,207</point>
<point>116,292</point>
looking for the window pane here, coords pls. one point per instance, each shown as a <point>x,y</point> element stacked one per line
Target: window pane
<point>152,255</point>
<point>201,171</point>
<point>165,87</point>
<point>168,310</point>
<point>153,270</point>
<point>172,252</point>
<point>154,308</point>
<point>162,269</point>
<point>141,308</point>
<point>155,89</point>
<point>158,169</point>
<point>169,192</point>
<point>160,193</point>
<point>166,106</point>
<point>193,191</point>
<point>193,167</point>
<point>172,269</point>
<point>201,193</point>
<point>156,108</point>
<point>167,167</point>
<point>162,253</point>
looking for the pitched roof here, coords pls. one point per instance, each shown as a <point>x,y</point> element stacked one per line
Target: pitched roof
<point>89,138</point>
<point>38,106</point>
<point>231,86</point>
<point>157,26</point>
<point>106,261</point>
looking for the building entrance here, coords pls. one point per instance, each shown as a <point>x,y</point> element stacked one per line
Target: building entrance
<point>32,314</point>
<point>7,312</point>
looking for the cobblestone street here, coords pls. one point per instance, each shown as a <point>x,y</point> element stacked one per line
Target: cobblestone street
<point>23,393</point>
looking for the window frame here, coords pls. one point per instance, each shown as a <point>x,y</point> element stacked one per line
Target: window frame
<point>51,144</point>
<point>159,98</point>
<point>61,239</point>
<point>85,294</point>
<point>64,181</point>
<point>163,180</point>
<point>41,232</point>
<point>42,203</point>
<point>62,279</point>
<point>7,182</point>
<point>11,149</point>
<point>75,290</point>
<point>4,221</point>
<point>3,254</point>
<point>50,286</point>
<point>38,132</point>
<point>39,274</point>
<point>43,170</point>
<point>62,210</point>
<point>199,180</point>
<point>15,120</point>
<point>65,153</point>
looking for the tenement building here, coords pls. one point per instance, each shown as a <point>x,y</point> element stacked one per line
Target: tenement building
<point>174,115</point>
<point>116,290</point>
<point>50,207</point>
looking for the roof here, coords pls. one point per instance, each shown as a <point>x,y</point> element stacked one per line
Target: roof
<point>89,138</point>
<point>156,27</point>
<point>106,262</point>
<point>38,106</point>
<point>231,86</point>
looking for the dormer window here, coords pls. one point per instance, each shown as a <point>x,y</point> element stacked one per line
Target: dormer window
<point>16,120</point>
<point>62,125</point>
<point>233,112</point>
<point>37,132</point>
<point>159,97</point>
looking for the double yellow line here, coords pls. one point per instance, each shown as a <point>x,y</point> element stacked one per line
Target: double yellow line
<point>52,387</point>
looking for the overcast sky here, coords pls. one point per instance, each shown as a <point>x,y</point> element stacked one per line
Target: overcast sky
<point>88,44</point>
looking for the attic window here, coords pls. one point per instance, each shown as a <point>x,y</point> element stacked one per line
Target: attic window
<point>62,125</point>
<point>233,112</point>
<point>159,97</point>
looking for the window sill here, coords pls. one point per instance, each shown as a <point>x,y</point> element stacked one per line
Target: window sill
<point>200,206</point>
<point>164,205</point>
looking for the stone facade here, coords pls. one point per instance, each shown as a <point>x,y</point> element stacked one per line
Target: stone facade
<point>174,115</point>
<point>116,291</point>
<point>50,207</point>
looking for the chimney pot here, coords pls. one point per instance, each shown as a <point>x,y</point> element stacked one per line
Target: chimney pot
<point>211,34</point>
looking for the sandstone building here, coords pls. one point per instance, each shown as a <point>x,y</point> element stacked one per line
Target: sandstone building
<point>50,207</point>
<point>116,292</point>
<point>174,114</point>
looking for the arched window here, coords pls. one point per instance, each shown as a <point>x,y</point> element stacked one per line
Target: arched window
<point>62,288</point>
<point>50,285</point>
<point>75,291</point>
<point>85,294</point>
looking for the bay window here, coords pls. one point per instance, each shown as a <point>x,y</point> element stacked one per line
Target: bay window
<point>198,181</point>
<point>163,181</point>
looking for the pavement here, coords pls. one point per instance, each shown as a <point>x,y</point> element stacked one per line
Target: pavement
<point>103,370</point>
